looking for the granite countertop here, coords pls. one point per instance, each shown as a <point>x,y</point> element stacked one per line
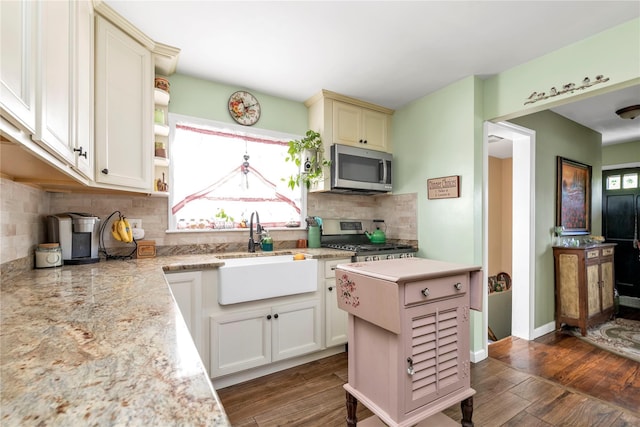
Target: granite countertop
<point>105,344</point>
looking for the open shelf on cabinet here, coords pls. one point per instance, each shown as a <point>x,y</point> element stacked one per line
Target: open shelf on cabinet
<point>161,161</point>
<point>161,97</point>
<point>160,129</point>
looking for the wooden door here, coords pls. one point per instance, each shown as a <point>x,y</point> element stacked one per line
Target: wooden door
<point>620,221</point>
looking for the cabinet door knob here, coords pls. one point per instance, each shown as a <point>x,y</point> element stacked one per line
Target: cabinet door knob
<point>425,292</point>
<point>268,317</point>
<point>330,288</point>
<point>458,286</point>
<point>275,316</point>
<point>105,171</point>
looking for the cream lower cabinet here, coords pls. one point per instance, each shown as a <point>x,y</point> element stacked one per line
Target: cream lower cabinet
<point>250,338</point>
<point>124,110</point>
<point>336,320</point>
<point>187,291</point>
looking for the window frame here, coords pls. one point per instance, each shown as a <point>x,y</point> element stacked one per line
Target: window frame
<point>174,119</point>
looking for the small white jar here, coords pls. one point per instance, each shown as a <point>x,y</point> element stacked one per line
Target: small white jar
<point>48,255</point>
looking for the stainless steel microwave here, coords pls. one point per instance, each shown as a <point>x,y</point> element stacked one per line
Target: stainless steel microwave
<point>360,170</point>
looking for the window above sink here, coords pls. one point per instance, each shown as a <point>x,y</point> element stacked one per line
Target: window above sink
<point>220,173</point>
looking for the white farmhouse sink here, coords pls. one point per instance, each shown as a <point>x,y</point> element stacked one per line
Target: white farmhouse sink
<point>261,277</point>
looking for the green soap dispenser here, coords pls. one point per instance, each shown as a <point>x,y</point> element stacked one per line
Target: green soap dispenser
<point>267,241</point>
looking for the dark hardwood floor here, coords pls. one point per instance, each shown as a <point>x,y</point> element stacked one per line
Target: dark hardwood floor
<point>555,380</point>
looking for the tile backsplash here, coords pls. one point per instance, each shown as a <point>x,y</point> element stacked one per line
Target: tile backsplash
<point>24,209</point>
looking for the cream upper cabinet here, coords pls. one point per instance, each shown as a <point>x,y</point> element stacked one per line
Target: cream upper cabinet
<point>348,121</point>
<point>18,61</point>
<point>83,90</point>
<point>49,94</point>
<point>124,109</point>
<point>360,127</point>
<point>55,76</point>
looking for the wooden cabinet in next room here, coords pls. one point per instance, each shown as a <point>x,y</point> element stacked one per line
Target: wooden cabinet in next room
<point>584,285</point>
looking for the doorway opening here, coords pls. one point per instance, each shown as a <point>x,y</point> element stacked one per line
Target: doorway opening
<point>520,259</point>
<point>621,225</point>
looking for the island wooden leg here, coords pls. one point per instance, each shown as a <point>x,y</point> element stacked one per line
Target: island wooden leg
<point>352,405</point>
<point>467,412</point>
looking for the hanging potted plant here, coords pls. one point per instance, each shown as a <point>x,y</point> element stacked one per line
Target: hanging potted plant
<point>308,154</point>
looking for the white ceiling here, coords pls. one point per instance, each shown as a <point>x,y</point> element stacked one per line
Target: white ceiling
<point>386,52</point>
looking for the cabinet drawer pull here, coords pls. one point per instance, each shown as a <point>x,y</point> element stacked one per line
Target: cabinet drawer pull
<point>425,292</point>
<point>458,286</point>
<point>105,171</point>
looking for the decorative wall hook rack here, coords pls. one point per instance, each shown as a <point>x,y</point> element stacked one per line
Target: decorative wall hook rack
<point>565,88</point>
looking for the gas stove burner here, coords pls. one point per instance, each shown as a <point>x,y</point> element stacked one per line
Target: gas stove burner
<point>349,235</point>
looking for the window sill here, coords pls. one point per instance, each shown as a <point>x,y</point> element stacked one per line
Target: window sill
<point>226,230</point>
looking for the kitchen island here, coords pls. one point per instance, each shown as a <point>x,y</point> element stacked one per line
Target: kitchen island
<point>104,344</point>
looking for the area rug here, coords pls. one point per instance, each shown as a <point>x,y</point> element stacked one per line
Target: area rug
<point>620,336</point>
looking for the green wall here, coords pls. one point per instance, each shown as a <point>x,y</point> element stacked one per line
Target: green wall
<point>557,136</point>
<point>441,135</point>
<point>434,137</point>
<point>620,154</point>
<point>614,53</point>
<point>195,97</point>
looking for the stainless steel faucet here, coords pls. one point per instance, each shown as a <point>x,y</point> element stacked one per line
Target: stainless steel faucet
<point>253,243</point>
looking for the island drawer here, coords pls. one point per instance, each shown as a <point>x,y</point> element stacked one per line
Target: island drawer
<point>433,289</point>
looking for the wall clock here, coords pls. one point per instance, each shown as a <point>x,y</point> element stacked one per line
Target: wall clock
<point>244,108</point>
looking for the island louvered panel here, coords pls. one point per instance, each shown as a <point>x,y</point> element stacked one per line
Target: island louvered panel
<point>435,352</point>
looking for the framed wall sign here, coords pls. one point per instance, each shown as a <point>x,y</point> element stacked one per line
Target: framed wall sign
<point>573,197</point>
<point>446,187</point>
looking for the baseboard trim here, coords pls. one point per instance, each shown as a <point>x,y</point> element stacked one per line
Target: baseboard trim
<point>544,330</point>
<point>478,356</point>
